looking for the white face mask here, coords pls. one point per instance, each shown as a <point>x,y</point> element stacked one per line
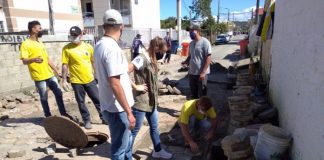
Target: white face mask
<point>76,40</point>
<point>201,111</point>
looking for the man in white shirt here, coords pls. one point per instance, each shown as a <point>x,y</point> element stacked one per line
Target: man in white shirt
<point>115,91</point>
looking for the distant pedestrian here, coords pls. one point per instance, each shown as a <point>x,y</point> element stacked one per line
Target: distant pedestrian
<point>146,94</point>
<point>137,45</point>
<point>197,120</point>
<point>168,40</point>
<point>199,61</point>
<point>115,90</point>
<point>77,57</point>
<point>42,70</point>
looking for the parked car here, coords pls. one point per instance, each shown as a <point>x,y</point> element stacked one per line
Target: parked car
<point>222,39</point>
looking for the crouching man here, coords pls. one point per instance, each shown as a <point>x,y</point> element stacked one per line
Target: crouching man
<point>197,120</point>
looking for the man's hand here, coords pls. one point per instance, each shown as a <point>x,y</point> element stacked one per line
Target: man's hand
<point>132,121</point>
<point>194,147</point>
<point>141,88</point>
<point>209,136</point>
<point>202,76</point>
<point>38,59</point>
<point>65,86</point>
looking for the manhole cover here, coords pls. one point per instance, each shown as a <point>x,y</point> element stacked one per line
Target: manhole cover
<point>65,132</point>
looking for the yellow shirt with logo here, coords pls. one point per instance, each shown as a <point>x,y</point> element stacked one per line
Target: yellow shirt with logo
<point>189,109</point>
<point>33,49</point>
<point>79,58</point>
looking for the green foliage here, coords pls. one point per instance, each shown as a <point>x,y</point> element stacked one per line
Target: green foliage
<point>201,8</point>
<point>171,22</point>
<point>221,27</point>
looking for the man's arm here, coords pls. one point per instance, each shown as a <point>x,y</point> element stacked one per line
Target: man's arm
<point>121,98</point>
<point>188,138</point>
<point>206,63</point>
<point>27,61</point>
<point>50,63</point>
<point>212,129</point>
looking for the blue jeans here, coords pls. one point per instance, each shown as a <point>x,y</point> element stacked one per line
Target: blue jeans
<point>52,84</point>
<point>92,90</point>
<point>120,134</point>
<point>199,127</point>
<point>152,118</point>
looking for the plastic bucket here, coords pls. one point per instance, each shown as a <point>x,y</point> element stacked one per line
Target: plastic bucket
<point>243,46</point>
<point>272,143</point>
<point>185,49</point>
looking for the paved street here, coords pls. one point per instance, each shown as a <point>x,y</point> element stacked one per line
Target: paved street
<point>25,133</point>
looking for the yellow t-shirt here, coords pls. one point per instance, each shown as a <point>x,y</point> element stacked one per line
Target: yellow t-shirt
<point>79,58</point>
<point>33,49</point>
<point>189,108</point>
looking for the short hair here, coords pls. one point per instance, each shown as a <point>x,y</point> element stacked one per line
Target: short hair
<point>32,24</point>
<point>205,102</point>
<point>111,26</point>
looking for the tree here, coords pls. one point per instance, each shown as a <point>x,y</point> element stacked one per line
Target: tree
<point>170,22</point>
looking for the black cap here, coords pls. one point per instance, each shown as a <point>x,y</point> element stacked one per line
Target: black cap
<point>138,35</point>
<point>75,31</point>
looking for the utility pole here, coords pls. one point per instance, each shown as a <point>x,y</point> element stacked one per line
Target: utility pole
<point>218,11</point>
<point>179,19</point>
<point>228,17</point>
<point>109,4</point>
<point>50,17</point>
<point>257,12</point>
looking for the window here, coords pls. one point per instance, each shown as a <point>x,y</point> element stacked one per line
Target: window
<point>1,26</point>
<point>89,7</point>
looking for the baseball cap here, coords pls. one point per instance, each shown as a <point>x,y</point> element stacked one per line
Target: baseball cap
<point>193,27</point>
<point>138,35</point>
<point>112,16</point>
<point>75,31</point>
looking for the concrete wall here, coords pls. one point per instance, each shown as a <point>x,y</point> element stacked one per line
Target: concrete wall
<point>297,74</point>
<point>266,60</point>
<point>14,75</point>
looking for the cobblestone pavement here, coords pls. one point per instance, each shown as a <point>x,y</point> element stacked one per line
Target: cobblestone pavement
<point>23,133</point>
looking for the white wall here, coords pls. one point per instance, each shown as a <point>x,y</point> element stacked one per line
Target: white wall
<point>297,75</point>
<point>146,14</point>
<point>39,5</point>
<point>3,19</point>
<point>99,8</point>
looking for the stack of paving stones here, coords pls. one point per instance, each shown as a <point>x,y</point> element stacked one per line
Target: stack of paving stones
<point>240,111</point>
<point>168,86</point>
<point>236,148</point>
<point>244,79</point>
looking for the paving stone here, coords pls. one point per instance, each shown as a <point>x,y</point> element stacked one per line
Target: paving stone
<point>15,153</point>
<point>181,156</point>
<point>10,105</point>
<point>176,149</point>
<point>8,141</point>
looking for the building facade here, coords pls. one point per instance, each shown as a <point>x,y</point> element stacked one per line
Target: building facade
<point>15,14</point>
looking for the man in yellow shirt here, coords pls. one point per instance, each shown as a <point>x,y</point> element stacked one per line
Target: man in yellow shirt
<point>33,54</point>
<point>195,119</point>
<point>77,57</point>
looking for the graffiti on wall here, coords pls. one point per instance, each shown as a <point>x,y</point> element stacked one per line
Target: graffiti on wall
<point>13,38</point>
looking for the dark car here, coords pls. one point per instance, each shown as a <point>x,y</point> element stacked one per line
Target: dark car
<point>222,39</point>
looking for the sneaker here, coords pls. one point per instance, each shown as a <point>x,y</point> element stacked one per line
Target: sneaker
<point>87,125</point>
<point>162,154</point>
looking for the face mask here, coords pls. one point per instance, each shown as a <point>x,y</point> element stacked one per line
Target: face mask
<point>77,40</point>
<point>201,111</point>
<point>40,34</point>
<point>192,35</point>
<point>158,56</point>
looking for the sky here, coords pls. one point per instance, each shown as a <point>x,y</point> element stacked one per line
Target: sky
<point>240,8</point>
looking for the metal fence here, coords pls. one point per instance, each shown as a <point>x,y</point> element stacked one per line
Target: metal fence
<point>130,33</point>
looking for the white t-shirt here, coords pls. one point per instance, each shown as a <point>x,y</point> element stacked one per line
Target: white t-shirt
<point>110,61</point>
<point>138,61</point>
